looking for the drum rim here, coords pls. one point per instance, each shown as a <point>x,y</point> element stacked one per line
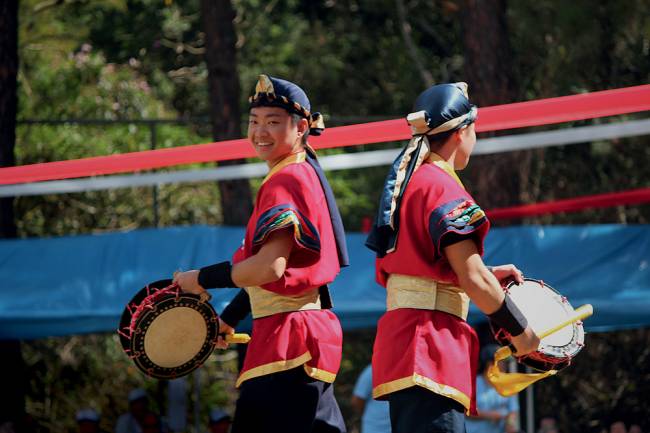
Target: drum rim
<point>144,363</point>
<point>130,343</point>
<point>546,361</point>
<point>141,295</point>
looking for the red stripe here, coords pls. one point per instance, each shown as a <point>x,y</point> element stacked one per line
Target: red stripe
<point>630,197</point>
<point>565,109</point>
<point>509,116</point>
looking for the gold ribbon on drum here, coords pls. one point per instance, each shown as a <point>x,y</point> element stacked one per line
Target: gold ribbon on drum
<point>508,384</point>
<point>406,291</point>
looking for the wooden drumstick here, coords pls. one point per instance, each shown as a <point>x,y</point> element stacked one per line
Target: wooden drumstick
<point>237,338</point>
<point>579,314</point>
<point>229,338</point>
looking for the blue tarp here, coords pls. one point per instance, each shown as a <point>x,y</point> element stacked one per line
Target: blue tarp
<point>80,284</point>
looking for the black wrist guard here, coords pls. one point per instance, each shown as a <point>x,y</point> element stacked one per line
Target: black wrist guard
<point>237,310</point>
<point>509,318</point>
<point>216,276</point>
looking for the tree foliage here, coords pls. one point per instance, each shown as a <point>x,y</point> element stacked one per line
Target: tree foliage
<point>69,373</point>
<point>352,59</point>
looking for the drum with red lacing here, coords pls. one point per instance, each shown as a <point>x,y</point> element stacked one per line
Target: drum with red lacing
<point>168,333</point>
<point>544,308</point>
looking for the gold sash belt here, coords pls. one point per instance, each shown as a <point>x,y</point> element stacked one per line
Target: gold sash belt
<point>266,303</point>
<point>406,291</point>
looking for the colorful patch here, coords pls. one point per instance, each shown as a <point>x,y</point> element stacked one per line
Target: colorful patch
<point>284,216</point>
<point>464,214</point>
<point>460,216</point>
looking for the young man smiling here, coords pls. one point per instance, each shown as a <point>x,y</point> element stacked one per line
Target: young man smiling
<point>294,247</point>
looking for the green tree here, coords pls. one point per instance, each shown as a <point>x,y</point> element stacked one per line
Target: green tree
<point>8,104</point>
<point>496,180</point>
<point>221,59</point>
<point>12,402</point>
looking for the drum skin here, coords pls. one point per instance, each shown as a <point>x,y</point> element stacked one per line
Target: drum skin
<point>544,307</point>
<point>168,333</point>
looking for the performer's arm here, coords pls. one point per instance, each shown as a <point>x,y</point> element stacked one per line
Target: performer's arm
<point>237,309</point>
<point>506,273</point>
<point>266,266</point>
<point>484,290</point>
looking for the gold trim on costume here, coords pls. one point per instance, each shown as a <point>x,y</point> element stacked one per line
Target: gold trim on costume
<point>273,367</point>
<point>419,380</point>
<point>437,160</point>
<point>294,158</point>
<point>266,303</point>
<point>317,373</point>
<point>406,291</point>
<point>277,366</point>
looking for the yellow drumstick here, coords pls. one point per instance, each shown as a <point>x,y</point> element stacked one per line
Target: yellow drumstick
<point>237,338</point>
<point>229,338</point>
<point>579,314</point>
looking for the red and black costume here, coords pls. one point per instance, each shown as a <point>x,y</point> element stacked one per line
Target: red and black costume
<point>425,353</point>
<point>290,327</point>
<point>295,350</point>
<point>423,340</point>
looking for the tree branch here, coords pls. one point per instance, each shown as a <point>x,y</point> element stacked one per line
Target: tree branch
<point>411,48</point>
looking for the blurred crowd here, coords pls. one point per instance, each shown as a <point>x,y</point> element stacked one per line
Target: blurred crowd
<point>140,419</point>
<point>496,414</point>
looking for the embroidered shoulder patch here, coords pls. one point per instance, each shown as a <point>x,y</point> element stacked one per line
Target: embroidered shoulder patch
<point>283,216</point>
<point>466,213</point>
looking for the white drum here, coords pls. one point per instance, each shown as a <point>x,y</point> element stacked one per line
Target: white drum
<point>544,308</point>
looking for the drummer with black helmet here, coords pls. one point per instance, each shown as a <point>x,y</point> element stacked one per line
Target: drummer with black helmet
<point>428,237</point>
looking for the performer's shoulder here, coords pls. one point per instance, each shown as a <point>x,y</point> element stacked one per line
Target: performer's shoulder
<point>294,179</point>
<point>429,177</point>
<point>433,171</point>
<point>294,176</point>
<point>433,184</point>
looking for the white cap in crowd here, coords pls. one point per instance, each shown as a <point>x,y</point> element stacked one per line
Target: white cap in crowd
<point>217,415</point>
<point>87,415</point>
<point>137,394</point>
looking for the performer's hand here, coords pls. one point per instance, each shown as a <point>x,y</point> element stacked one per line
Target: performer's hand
<point>189,281</point>
<point>525,342</point>
<point>224,328</point>
<point>506,273</point>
